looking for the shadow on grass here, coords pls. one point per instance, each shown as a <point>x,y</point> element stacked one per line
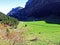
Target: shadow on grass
<point>49,21</point>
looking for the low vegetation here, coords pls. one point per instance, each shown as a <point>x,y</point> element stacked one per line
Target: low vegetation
<point>6,20</point>
<point>31,33</point>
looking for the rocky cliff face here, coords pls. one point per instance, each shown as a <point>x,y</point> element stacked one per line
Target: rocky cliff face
<point>14,10</point>
<point>43,7</point>
<point>38,9</point>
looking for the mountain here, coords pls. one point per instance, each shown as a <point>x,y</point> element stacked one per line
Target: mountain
<point>37,10</point>
<point>15,11</point>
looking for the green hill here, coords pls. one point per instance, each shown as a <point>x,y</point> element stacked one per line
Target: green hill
<point>8,20</point>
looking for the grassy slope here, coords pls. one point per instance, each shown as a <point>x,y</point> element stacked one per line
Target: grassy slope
<point>46,34</point>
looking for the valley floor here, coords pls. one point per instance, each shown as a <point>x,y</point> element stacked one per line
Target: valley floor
<point>34,33</point>
<point>41,33</point>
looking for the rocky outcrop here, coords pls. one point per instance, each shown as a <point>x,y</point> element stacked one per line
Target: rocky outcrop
<point>38,9</point>
<point>14,12</point>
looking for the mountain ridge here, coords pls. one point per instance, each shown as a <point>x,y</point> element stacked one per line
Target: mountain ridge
<point>38,10</point>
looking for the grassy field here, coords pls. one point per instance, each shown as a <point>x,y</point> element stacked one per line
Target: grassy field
<point>41,33</point>
<point>32,33</point>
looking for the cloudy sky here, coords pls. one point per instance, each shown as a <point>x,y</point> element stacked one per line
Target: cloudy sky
<point>7,5</point>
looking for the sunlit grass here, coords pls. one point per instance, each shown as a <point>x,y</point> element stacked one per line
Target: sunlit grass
<point>47,34</point>
<point>42,32</point>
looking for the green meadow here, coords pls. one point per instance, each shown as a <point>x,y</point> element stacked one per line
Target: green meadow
<point>33,33</point>
<point>41,33</point>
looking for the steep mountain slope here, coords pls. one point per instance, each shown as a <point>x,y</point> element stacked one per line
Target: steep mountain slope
<point>37,10</point>
<point>15,11</point>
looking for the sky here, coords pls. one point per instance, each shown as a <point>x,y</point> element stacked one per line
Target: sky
<point>7,5</point>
